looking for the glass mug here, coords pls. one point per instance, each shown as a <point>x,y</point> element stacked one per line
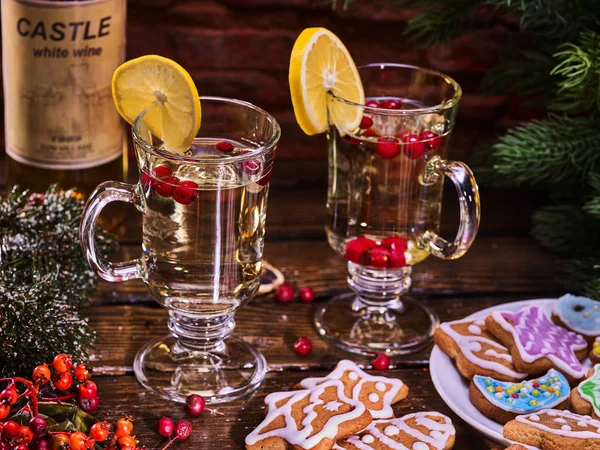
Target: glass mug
<point>384,205</point>
<point>203,238</point>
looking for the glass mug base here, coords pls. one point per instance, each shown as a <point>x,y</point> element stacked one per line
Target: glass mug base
<point>229,372</point>
<point>398,328</point>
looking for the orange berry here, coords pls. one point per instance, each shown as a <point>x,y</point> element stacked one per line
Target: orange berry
<point>62,363</point>
<point>99,431</point>
<point>124,427</point>
<point>82,373</point>
<point>42,373</point>
<point>4,411</point>
<point>79,441</point>
<point>63,381</point>
<point>127,441</point>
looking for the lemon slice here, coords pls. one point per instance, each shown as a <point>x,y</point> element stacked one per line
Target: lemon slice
<point>320,63</point>
<point>168,92</point>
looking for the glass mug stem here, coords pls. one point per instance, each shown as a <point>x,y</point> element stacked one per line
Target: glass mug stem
<point>469,205</point>
<point>105,193</point>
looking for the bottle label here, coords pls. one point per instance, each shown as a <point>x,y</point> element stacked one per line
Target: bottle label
<point>58,60</point>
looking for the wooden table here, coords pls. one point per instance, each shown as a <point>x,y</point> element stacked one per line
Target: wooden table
<point>503,265</point>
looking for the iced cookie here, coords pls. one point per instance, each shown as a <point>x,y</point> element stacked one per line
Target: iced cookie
<point>595,352</point>
<point>585,398</point>
<point>578,314</point>
<point>551,429</point>
<point>502,401</point>
<point>537,344</point>
<point>377,393</point>
<point>309,419</point>
<point>418,431</point>
<point>475,350</point>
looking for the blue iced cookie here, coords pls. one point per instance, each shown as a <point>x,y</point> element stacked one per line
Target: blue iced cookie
<point>502,401</point>
<point>578,314</point>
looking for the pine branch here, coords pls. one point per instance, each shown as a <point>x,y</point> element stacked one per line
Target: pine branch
<point>583,276</point>
<point>44,279</point>
<point>558,151</point>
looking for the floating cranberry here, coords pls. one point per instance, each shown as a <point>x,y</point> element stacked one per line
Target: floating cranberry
<point>370,133</point>
<point>39,427</point>
<point>183,428</point>
<point>366,122</point>
<point>89,404</point>
<point>303,346</point>
<point>387,147</point>
<point>251,167</point>
<point>285,293</point>
<point>194,405</point>
<point>372,104</point>
<point>413,146</point>
<point>162,171</point>
<point>306,294</point>
<point>165,186</point>
<point>165,426</point>
<point>433,140</point>
<point>356,247</point>
<point>376,257</point>
<point>397,259</point>
<point>186,192</point>
<point>382,362</point>
<point>391,104</point>
<point>224,146</point>
<point>395,243</point>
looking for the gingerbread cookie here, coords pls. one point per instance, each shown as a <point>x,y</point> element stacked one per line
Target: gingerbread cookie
<point>578,314</point>
<point>309,419</point>
<point>595,351</point>
<point>551,429</point>
<point>418,431</point>
<point>475,350</point>
<point>375,392</point>
<point>585,398</point>
<point>537,344</point>
<point>502,401</point>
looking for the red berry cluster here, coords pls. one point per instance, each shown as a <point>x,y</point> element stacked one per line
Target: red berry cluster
<point>388,254</point>
<point>285,294</point>
<point>164,183</point>
<point>412,145</point>
<point>173,431</point>
<point>249,166</point>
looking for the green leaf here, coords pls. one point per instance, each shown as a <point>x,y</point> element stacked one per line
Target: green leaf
<point>55,409</point>
<point>66,425</point>
<point>83,421</point>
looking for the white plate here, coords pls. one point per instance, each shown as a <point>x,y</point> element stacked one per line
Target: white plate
<point>454,389</point>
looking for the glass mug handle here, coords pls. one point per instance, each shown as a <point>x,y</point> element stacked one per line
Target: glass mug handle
<point>105,193</point>
<point>470,209</point>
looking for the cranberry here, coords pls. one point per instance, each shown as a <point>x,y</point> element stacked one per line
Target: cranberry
<point>366,122</point>
<point>165,426</point>
<point>376,257</point>
<point>414,147</point>
<point>186,192</point>
<point>303,346</point>
<point>225,146</point>
<point>285,293</point>
<point>391,104</point>
<point>194,405</point>
<point>183,428</point>
<point>165,186</point>
<point>356,247</point>
<point>41,444</point>
<point>351,139</point>
<point>251,167</point>
<point>89,404</point>
<point>395,243</point>
<point>39,427</point>
<point>433,140</point>
<point>146,180</point>
<point>387,147</point>
<point>264,180</point>
<point>161,172</point>
<point>87,389</point>
<point>306,294</point>
<point>382,362</point>
<point>370,133</point>
<point>9,395</point>
<point>372,104</point>
<point>10,430</point>
<point>397,259</point>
